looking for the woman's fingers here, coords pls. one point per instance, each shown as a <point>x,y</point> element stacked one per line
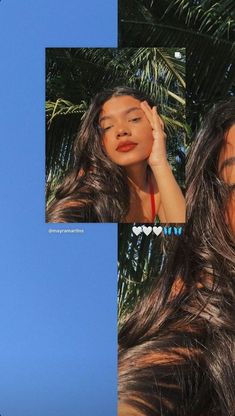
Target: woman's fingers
<point>158,156</point>
<point>147,111</point>
<point>152,116</point>
<point>157,121</point>
<point>159,118</point>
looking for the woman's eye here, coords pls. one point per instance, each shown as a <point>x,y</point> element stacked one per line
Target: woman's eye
<point>136,119</point>
<point>106,128</point>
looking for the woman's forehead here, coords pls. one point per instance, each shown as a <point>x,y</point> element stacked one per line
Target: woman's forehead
<point>119,106</point>
<point>230,136</point>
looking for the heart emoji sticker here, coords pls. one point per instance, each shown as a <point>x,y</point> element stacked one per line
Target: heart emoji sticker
<point>147,230</point>
<point>137,230</point>
<point>157,230</point>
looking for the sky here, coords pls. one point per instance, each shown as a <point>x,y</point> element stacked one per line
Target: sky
<point>58,350</point>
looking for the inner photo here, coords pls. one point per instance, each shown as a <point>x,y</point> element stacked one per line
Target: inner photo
<point>116,135</point>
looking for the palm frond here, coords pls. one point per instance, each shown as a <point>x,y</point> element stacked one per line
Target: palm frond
<point>63,107</point>
<point>204,28</point>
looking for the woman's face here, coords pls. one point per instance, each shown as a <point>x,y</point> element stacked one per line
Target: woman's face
<point>227,171</point>
<point>127,134</point>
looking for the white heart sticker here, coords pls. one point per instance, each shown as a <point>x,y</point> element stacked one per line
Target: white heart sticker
<point>137,230</point>
<point>157,230</point>
<point>147,230</point>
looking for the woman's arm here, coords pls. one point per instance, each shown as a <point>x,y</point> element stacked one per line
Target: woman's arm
<point>172,200</point>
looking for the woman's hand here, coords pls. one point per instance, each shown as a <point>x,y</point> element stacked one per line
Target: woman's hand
<point>158,155</point>
<point>172,199</point>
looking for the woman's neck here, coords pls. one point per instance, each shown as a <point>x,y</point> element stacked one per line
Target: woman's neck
<point>137,175</point>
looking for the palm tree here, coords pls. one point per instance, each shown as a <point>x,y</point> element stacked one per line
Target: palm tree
<point>204,27</point>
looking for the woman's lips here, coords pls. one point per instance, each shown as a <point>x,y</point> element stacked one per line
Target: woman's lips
<point>126,147</point>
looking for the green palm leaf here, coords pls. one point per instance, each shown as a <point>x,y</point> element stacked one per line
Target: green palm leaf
<point>203,27</point>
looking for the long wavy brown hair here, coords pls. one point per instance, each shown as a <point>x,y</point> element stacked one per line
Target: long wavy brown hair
<point>96,190</point>
<point>177,348</point>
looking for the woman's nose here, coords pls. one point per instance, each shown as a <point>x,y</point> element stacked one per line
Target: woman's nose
<point>122,130</point>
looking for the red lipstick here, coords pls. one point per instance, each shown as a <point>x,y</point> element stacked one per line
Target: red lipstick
<point>126,146</point>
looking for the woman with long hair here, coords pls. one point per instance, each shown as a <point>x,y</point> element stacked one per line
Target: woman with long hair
<point>121,172</point>
<point>177,348</point>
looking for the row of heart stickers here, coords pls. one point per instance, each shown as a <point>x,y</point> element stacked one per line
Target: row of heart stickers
<point>147,230</point>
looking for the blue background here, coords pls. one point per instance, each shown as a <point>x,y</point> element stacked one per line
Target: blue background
<point>57,291</point>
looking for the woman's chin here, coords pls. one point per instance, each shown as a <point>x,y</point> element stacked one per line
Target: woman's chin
<point>129,160</point>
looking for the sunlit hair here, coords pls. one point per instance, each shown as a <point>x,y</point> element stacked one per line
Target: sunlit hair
<point>96,190</point>
<point>177,348</point>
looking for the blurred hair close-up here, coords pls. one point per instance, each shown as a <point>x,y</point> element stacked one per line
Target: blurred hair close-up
<point>126,163</point>
<point>177,341</point>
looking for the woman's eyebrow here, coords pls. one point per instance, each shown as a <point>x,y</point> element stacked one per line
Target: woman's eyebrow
<point>129,110</point>
<point>132,109</point>
<point>104,118</point>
